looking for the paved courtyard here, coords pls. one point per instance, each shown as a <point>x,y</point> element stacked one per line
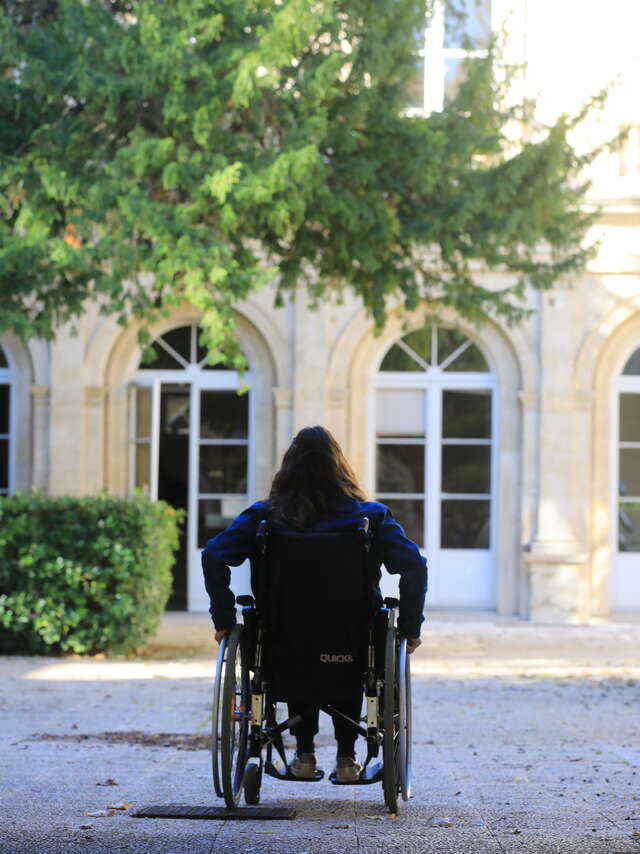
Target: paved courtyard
<point>526,739</point>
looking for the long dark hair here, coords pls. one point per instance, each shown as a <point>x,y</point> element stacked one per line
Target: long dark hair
<point>313,478</point>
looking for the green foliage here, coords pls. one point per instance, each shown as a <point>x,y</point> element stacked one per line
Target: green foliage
<point>155,152</point>
<point>83,575</point>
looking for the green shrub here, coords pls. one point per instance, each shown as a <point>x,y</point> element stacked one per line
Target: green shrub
<point>83,575</point>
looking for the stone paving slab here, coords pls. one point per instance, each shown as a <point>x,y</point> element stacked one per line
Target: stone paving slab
<point>544,760</point>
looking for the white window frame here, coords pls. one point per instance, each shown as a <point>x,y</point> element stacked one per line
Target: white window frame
<point>8,377</point>
<point>199,379</point>
<point>434,381</point>
<point>434,55</point>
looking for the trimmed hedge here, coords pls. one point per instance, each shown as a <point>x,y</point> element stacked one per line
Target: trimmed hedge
<point>83,575</point>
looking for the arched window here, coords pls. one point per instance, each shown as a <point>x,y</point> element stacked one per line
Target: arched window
<point>7,407</point>
<point>629,456</point>
<point>434,457</point>
<point>190,442</point>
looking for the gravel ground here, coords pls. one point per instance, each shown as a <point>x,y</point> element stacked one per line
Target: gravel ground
<point>526,739</point>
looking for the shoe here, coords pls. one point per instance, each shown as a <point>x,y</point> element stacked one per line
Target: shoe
<point>347,770</point>
<point>304,766</point>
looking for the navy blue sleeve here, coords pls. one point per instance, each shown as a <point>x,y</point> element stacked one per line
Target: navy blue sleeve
<point>401,556</point>
<point>230,548</point>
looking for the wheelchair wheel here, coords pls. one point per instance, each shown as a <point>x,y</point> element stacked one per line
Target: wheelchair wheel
<point>404,720</point>
<point>390,739</point>
<point>251,783</point>
<point>231,719</point>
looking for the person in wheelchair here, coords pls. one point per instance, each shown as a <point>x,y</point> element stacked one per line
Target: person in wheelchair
<point>316,492</point>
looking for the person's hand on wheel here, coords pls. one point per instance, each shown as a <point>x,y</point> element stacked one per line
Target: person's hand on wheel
<point>222,633</point>
<point>413,644</point>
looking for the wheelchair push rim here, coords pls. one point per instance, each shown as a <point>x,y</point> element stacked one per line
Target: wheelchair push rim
<point>231,719</point>
<point>404,722</point>
<point>390,738</point>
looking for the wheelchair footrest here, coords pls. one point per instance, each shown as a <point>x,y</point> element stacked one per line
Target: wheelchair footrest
<point>281,773</point>
<point>370,774</point>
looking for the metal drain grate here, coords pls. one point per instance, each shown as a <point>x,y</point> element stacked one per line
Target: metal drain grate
<point>217,813</point>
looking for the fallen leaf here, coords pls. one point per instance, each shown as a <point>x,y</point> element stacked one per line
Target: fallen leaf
<point>100,813</point>
<point>341,826</point>
<point>441,821</point>
<point>108,782</point>
<point>521,779</point>
<point>123,805</point>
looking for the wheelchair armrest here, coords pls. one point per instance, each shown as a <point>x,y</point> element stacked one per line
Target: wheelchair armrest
<point>391,602</point>
<point>245,601</point>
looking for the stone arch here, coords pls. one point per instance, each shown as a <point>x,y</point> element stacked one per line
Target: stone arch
<point>122,360</point>
<point>21,375</point>
<point>599,363</point>
<point>355,359</point>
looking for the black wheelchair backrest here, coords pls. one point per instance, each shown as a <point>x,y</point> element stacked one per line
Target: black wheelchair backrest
<point>317,601</point>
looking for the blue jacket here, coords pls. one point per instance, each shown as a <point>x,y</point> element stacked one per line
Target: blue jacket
<point>390,547</point>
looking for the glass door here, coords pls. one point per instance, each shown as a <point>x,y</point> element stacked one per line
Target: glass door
<point>625,572</point>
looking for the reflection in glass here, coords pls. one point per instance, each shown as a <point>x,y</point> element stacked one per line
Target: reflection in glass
<point>629,476</point>
<point>3,359</point>
<point>216,514</point>
<point>629,527</point>
<point>629,417</point>
<point>4,465</point>
<point>471,359</point>
<point>455,73</point>
<point>415,85</point>
<point>143,466</point>
<point>400,468</point>
<point>465,524</point>
<point>4,408</point>
<point>143,413</point>
<point>400,412</point>
<point>410,514</point>
<point>466,469</point>
<point>174,410</point>
<point>466,414</point>
<point>223,468</point>
<point>161,360</point>
<point>224,415</point>
<point>633,365</point>
<point>472,28</point>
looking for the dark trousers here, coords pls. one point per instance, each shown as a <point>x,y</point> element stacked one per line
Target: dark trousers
<point>345,733</point>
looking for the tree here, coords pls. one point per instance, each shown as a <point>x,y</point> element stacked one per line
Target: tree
<point>154,152</point>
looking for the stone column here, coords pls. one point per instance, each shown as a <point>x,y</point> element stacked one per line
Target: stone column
<point>40,402</point>
<point>66,433</point>
<point>93,444</point>
<point>557,560</point>
<point>283,400</point>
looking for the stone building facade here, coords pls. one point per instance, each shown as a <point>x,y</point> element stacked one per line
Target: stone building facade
<point>512,455</point>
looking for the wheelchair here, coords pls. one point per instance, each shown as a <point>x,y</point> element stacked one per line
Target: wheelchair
<point>251,678</point>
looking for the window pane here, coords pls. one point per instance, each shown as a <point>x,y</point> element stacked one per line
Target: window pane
<point>420,343</point>
<point>471,359</point>
<point>415,85</point>
<point>143,459</point>
<point>216,514</point>
<point>160,360</point>
<point>398,359</point>
<point>633,365</point>
<point>475,24</point>
<point>629,526</point>
<point>3,359</point>
<point>455,73</point>
<point>410,514</point>
<point>201,352</point>
<point>630,472</point>
<point>224,415</point>
<point>465,524</point>
<point>4,408</point>
<point>4,464</point>
<point>174,410</point>
<point>223,468</point>
<point>466,414</point>
<point>180,340</point>
<point>143,413</point>
<point>400,468</point>
<point>466,469</point>
<point>629,418</point>
<point>400,412</point>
